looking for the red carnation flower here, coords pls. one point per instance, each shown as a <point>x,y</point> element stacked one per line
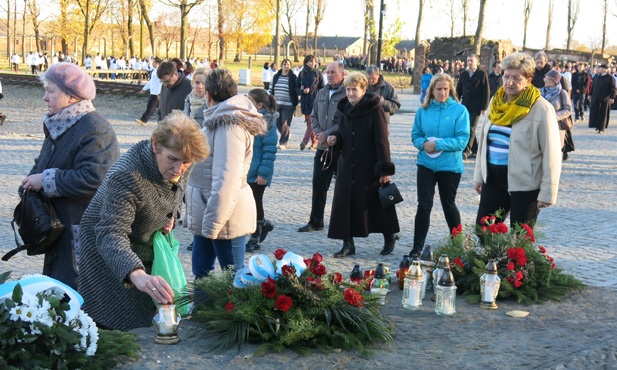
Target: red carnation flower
<point>318,270</point>
<point>510,279</point>
<point>308,262</point>
<point>336,278</point>
<point>283,303</point>
<point>492,219</point>
<point>519,275</point>
<point>229,306</point>
<point>542,249</point>
<point>510,266</point>
<point>550,259</point>
<point>493,228</point>
<point>457,230</point>
<point>288,270</point>
<point>529,230</point>
<point>484,220</point>
<point>518,284</point>
<point>353,297</point>
<point>317,258</point>
<point>279,253</point>
<point>518,255</point>
<point>502,228</point>
<point>457,261</point>
<point>552,266</point>
<point>315,283</point>
<point>268,288</point>
<point>484,228</point>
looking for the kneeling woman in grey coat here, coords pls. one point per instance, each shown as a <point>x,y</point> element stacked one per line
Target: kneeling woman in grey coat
<point>141,194</point>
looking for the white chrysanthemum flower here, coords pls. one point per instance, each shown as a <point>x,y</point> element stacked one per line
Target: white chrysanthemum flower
<point>29,299</point>
<point>16,313</point>
<point>85,326</point>
<point>34,330</point>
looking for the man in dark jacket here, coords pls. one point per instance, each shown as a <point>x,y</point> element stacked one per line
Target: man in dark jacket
<point>579,91</point>
<point>376,83</point>
<point>542,68</point>
<point>495,78</point>
<point>602,96</point>
<point>323,121</point>
<point>474,91</point>
<point>175,88</point>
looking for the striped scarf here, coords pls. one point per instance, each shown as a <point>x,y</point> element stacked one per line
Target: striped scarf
<point>505,113</point>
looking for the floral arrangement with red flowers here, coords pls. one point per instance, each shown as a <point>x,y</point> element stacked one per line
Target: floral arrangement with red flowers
<point>287,302</point>
<point>527,273</point>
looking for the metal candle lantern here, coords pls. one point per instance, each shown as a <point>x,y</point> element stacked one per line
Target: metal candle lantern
<point>403,267</point>
<point>445,292</point>
<point>166,323</point>
<point>412,295</point>
<point>442,263</point>
<point>427,262</point>
<point>356,276</point>
<point>489,286</point>
<point>380,284</point>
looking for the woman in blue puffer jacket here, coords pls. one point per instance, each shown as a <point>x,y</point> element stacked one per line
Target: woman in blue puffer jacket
<point>262,166</point>
<point>440,132</point>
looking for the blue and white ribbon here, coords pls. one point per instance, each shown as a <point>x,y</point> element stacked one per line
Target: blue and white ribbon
<point>259,268</point>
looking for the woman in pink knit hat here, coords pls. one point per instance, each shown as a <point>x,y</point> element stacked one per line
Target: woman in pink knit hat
<point>79,147</point>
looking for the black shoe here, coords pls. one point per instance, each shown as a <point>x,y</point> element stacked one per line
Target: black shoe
<point>310,227</point>
<point>253,244</point>
<point>349,249</point>
<point>190,247</point>
<point>388,244</point>
<point>416,251</point>
<point>565,156</point>
<point>267,227</point>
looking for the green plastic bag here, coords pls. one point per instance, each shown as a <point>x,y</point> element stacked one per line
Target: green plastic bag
<point>167,265</point>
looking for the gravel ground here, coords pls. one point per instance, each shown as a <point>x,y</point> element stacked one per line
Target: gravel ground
<point>577,333</point>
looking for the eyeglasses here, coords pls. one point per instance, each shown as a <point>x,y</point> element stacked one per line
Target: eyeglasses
<point>515,79</point>
<point>326,159</point>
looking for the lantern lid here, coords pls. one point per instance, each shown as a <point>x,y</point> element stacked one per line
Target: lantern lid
<point>427,253</point>
<point>443,261</point>
<point>406,261</point>
<point>380,271</point>
<point>415,271</point>
<point>356,273</point>
<point>446,279</point>
<point>491,267</point>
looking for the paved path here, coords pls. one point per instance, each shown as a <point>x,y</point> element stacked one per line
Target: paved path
<point>578,232</point>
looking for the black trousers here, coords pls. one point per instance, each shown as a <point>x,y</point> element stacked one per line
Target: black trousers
<point>447,183</point>
<point>321,183</point>
<point>521,205</point>
<point>153,103</point>
<point>258,194</point>
<point>472,145</point>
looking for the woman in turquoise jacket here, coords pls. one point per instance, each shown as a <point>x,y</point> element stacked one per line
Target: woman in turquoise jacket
<point>440,132</point>
<point>425,82</point>
<point>262,166</point>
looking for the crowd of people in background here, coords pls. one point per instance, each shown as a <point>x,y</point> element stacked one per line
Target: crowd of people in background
<point>215,151</point>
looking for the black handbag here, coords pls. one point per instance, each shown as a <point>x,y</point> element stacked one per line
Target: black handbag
<point>389,195</point>
<point>38,225</point>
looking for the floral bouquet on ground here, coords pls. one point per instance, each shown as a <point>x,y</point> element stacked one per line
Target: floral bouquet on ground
<point>527,273</point>
<point>43,327</point>
<point>289,303</point>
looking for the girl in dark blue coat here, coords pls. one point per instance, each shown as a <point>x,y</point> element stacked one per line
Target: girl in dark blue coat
<point>262,166</point>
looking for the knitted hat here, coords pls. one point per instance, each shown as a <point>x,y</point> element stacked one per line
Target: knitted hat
<point>72,80</point>
<point>556,76</point>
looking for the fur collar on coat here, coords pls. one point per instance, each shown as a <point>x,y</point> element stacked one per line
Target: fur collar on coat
<point>368,102</point>
<point>237,110</point>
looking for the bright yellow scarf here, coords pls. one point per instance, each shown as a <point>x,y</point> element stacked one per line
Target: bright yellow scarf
<point>505,113</point>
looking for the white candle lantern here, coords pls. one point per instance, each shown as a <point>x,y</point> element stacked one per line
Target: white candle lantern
<point>412,294</point>
<point>442,263</point>
<point>489,286</point>
<point>445,293</point>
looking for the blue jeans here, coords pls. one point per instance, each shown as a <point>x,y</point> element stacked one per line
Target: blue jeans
<point>230,254</point>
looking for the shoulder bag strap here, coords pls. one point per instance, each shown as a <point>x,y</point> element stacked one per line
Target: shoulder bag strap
<point>20,247</point>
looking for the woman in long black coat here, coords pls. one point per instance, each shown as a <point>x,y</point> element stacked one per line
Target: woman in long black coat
<point>364,164</point>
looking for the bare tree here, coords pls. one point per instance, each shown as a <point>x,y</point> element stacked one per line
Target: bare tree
<point>221,29</point>
<point>573,8</point>
<point>480,29</point>
<point>35,12</point>
<point>9,35</point>
<point>306,29</point>
<point>451,11</point>
<point>370,34</point>
<point>168,30</point>
<point>185,7</point>
<point>551,6</point>
<point>526,12</point>
<point>291,9</point>
<point>465,6</point>
<point>419,23</point>
<point>604,26</point>
<point>144,9</point>
<point>319,11</point>
<point>129,26</point>
<point>92,11</point>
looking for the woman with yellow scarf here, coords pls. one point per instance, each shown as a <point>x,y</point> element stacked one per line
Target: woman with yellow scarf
<point>519,152</point>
